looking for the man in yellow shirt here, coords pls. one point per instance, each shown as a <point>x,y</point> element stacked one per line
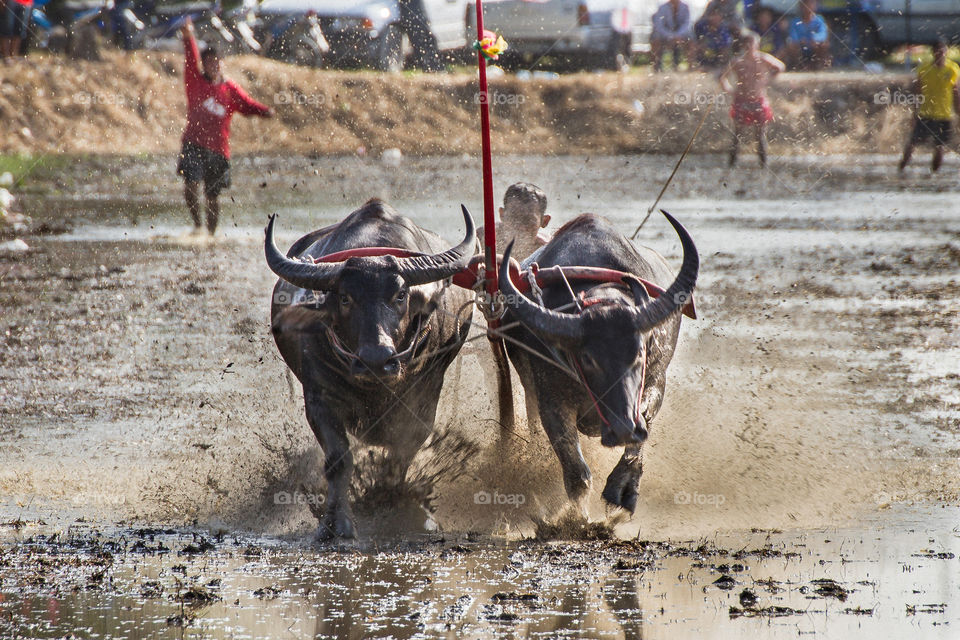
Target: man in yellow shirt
<point>938,97</point>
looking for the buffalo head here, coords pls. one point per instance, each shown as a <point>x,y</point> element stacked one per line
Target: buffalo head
<point>606,343</point>
<point>375,310</point>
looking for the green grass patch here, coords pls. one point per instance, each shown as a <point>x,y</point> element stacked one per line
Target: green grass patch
<point>25,165</point>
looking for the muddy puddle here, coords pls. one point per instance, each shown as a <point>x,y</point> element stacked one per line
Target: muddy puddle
<point>900,582</point>
<point>801,478</point>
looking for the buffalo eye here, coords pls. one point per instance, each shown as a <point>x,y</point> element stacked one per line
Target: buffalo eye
<point>401,296</point>
<point>344,299</point>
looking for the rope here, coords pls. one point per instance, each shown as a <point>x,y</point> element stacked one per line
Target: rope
<point>534,287</point>
<point>492,306</point>
<point>674,172</point>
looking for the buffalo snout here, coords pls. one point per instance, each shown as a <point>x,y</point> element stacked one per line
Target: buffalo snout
<point>623,431</point>
<point>378,361</point>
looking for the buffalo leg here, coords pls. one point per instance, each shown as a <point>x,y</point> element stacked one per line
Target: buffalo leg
<point>565,441</point>
<point>622,483</point>
<point>338,469</point>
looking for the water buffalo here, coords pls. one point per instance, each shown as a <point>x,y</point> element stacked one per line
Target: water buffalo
<point>369,338</point>
<point>616,349</point>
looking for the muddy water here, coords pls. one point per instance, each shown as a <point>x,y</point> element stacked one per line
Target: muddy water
<point>898,583</point>
<point>819,388</point>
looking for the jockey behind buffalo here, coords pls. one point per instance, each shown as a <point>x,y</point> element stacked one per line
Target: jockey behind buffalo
<point>603,369</point>
<point>369,338</point>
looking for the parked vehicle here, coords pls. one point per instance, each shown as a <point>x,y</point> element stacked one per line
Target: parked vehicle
<point>586,33</point>
<point>296,38</point>
<point>369,32</point>
<point>873,28</point>
<point>163,22</point>
<point>40,29</point>
<point>90,21</point>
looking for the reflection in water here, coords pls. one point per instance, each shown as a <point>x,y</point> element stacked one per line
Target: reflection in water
<point>145,584</point>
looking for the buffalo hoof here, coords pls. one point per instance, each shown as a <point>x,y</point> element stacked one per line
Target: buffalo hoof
<point>336,526</point>
<point>577,483</point>
<point>622,483</point>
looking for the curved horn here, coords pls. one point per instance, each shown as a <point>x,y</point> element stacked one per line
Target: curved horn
<point>548,323</point>
<point>316,277</point>
<point>678,294</point>
<point>424,269</point>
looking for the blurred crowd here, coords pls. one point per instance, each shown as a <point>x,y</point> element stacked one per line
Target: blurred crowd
<point>14,22</point>
<point>710,42</point>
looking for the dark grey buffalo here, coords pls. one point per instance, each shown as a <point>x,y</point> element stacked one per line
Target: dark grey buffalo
<point>613,355</point>
<point>369,338</point>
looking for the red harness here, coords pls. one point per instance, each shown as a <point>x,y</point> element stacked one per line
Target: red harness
<point>469,277</point>
<point>368,252</point>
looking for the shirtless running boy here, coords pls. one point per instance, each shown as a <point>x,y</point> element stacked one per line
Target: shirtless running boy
<point>754,71</point>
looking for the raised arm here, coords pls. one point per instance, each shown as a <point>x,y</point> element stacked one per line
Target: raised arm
<point>191,63</point>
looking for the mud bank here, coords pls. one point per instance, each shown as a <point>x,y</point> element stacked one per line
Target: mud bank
<point>135,104</point>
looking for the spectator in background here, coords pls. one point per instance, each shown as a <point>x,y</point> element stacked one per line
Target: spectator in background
<point>672,31</point>
<point>122,29</point>
<point>714,41</point>
<point>772,34</point>
<point>416,24</point>
<point>14,23</point>
<point>730,11</point>
<point>808,45</point>
<point>938,98</point>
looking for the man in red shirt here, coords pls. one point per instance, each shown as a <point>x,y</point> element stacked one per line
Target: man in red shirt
<point>211,102</point>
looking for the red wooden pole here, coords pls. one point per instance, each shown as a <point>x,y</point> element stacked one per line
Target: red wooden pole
<point>489,220</point>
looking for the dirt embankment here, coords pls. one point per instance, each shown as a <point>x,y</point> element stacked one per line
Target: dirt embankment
<point>135,104</point>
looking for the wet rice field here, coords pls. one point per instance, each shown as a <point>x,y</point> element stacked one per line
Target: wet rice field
<point>802,478</point>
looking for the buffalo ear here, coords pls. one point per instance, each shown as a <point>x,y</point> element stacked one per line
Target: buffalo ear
<point>640,295</point>
<point>425,299</point>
